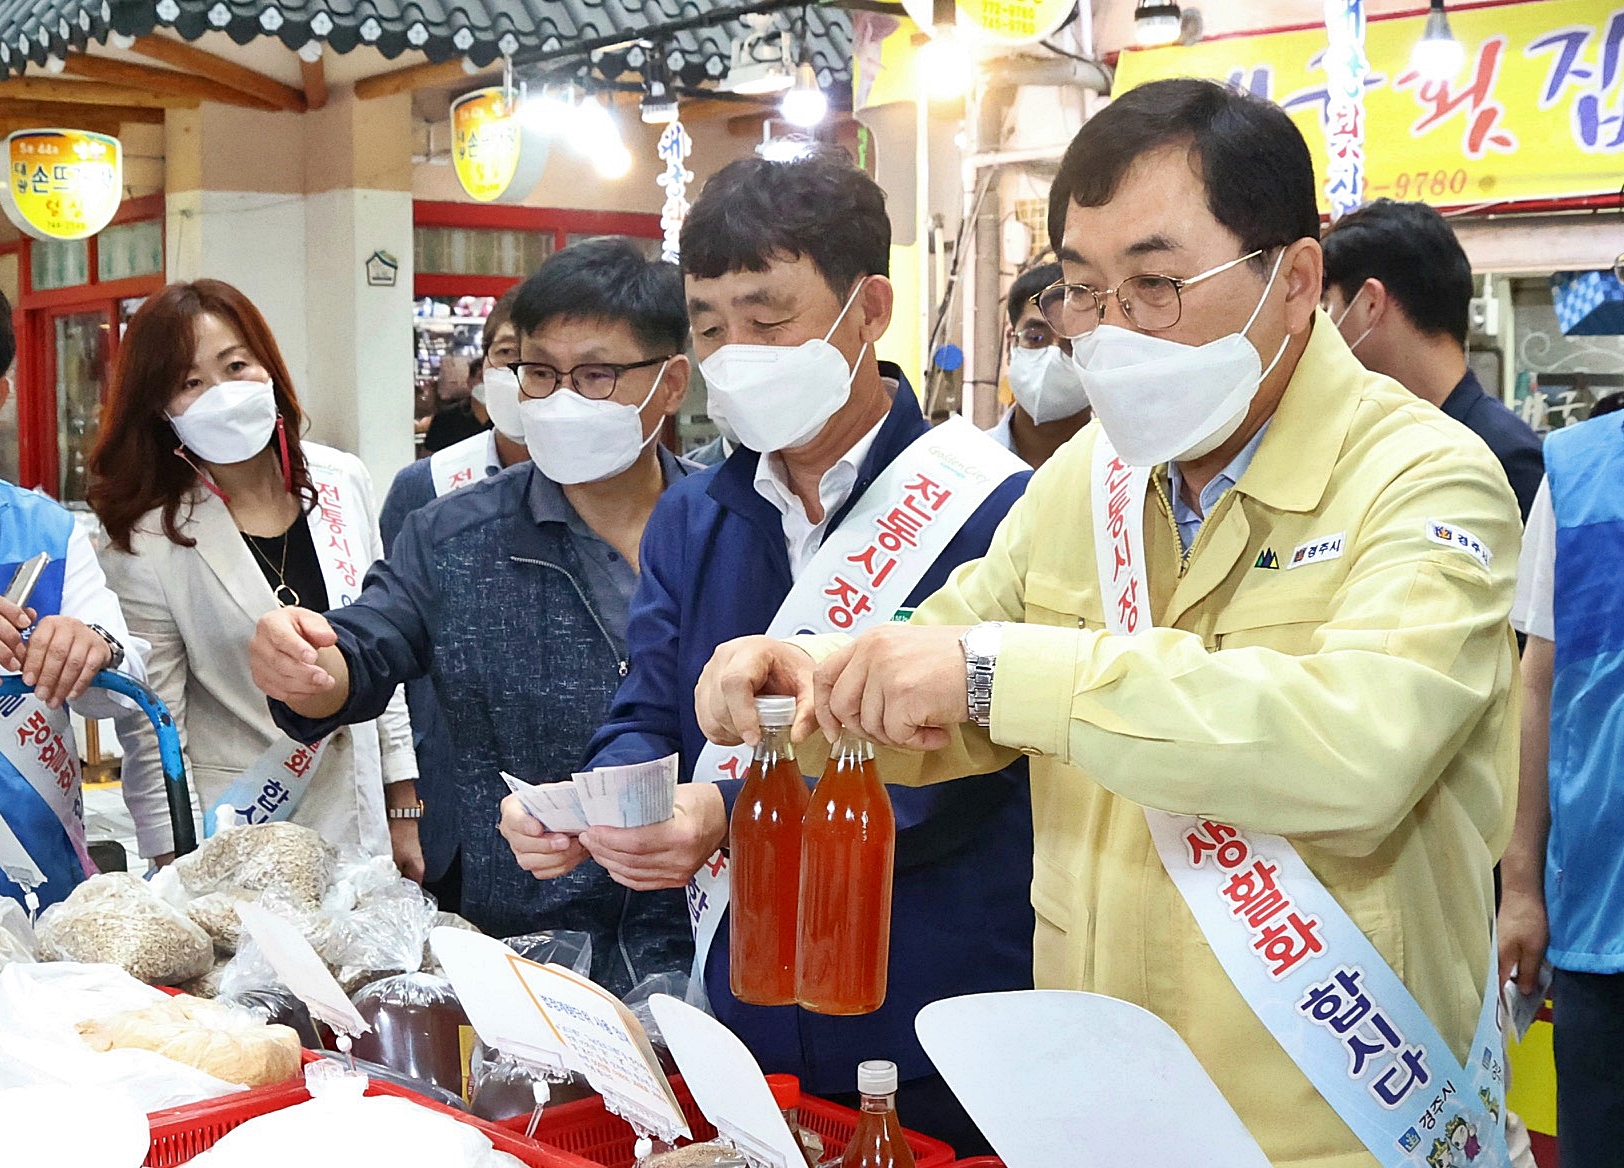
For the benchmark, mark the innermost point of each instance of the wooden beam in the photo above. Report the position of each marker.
(91, 93)
(193, 60)
(103, 119)
(416, 77)
(161, 80)
(314, 76)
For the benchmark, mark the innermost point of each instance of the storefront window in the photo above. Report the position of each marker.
(59, 263)
(476, 251)
(81, 347)
(130, 249)
(1559, 378)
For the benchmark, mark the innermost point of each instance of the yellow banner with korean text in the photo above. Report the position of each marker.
(1536, 112)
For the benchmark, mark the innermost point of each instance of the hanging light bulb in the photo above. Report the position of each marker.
(1156, 22)
(1437, 56)
(612, 160)
(549, 112)
(806, 104)
(592, 127)
(944, 64)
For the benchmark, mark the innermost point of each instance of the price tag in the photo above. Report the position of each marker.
(301, 970)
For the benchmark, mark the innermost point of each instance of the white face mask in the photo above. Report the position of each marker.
(1352, 345)
(1163, 401)
(573, 439)
(229, 422)
(500, 393)
(777, 397)
(1046, 384)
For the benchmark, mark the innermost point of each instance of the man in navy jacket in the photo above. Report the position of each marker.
(780, 258)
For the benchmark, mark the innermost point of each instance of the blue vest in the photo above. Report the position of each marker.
(1584, 864)
(30, 524)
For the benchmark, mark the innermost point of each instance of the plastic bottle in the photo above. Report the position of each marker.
(878, 1140)
(786, 1091)
(765, 862)
(848, 850)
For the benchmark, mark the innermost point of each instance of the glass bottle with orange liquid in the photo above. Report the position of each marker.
(878, 1141)
(764, 856)
(848, 850)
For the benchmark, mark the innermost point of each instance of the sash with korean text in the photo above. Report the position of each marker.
(1304, 967)
(463, 463)
(863, 573)
(41, 797)
(274, 783)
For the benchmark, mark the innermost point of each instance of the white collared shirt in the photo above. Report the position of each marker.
(802, 537)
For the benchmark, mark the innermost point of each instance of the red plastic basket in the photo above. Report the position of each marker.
(587, 1130)
(184, 1132)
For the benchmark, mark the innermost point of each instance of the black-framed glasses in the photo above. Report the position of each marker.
(1150, 301)
(592, 379)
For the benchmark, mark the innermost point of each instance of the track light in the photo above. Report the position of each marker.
(1156, 22)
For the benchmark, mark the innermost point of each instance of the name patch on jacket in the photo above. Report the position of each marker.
(1460, 539)
(1315, 551)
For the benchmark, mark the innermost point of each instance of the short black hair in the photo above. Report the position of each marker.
(608, 277)
(1027, 285)
(1413, 251)
(1250, 155)
(8, 336)
(753, 212)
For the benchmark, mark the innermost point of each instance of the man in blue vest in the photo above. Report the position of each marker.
(785, 267)
(1563, 873)
(70, 630)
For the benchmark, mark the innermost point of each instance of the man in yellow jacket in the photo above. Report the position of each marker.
(1329, 565)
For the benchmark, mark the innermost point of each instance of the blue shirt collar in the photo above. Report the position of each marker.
(1189, 523)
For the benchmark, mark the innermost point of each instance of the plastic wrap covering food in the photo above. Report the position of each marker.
(637, 1001)
(712, 1154)
(501, 1087)
(278, 1007)
(207, 986)
(216, 914)
(116, 918)
(338, 1128)
(229, 1044)
(259, 857)
(17, 941)
(563, 947)
(417, 1028)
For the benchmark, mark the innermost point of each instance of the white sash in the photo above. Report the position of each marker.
(38, 742)
(462, 463)
(1304, 967)
(863, 573)
(273, 785)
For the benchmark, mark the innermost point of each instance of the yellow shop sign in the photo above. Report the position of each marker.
(496, 160)
(1536, 112)
(63, 184)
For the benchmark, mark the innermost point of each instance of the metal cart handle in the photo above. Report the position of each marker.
(174, 766)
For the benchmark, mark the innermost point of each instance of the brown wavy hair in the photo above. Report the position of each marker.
(136, 467)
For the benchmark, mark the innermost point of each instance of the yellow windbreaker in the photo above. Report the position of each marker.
(1362, 706)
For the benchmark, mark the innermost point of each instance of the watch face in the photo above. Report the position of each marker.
(981, 641)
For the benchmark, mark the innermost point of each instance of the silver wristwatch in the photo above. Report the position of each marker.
(980, 645)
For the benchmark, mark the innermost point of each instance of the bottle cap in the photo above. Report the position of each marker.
(786, 1091)
(877, 1077)
(775, 711)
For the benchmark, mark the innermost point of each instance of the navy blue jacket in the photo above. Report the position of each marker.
(436, 766)
(489, 602)
(1510, 438)
(715, 567)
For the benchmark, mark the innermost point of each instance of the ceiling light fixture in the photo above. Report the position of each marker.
(944, 65)
(1156, 22)
(1437, 56)
(753, 74)
(659, 104)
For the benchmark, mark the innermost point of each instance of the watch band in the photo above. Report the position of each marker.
(980, 662)
(113, 645)
(413, 812)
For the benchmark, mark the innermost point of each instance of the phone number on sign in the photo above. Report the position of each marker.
(1422, 184)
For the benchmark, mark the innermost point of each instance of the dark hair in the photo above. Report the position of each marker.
(607, 278)
(1027, 285)
(1250, 155)
(134, 467)
(501, 313)
(753, 212)
(1413, 251)
(8, 336)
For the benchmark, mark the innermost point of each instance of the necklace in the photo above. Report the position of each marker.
(291, 600)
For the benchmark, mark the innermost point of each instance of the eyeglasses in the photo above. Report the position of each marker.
(1151, 302)
(1034, 336)
(594, 379)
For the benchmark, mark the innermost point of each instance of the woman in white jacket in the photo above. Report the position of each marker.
(216, 512)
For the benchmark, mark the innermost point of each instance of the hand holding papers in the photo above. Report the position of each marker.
(620, 796)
